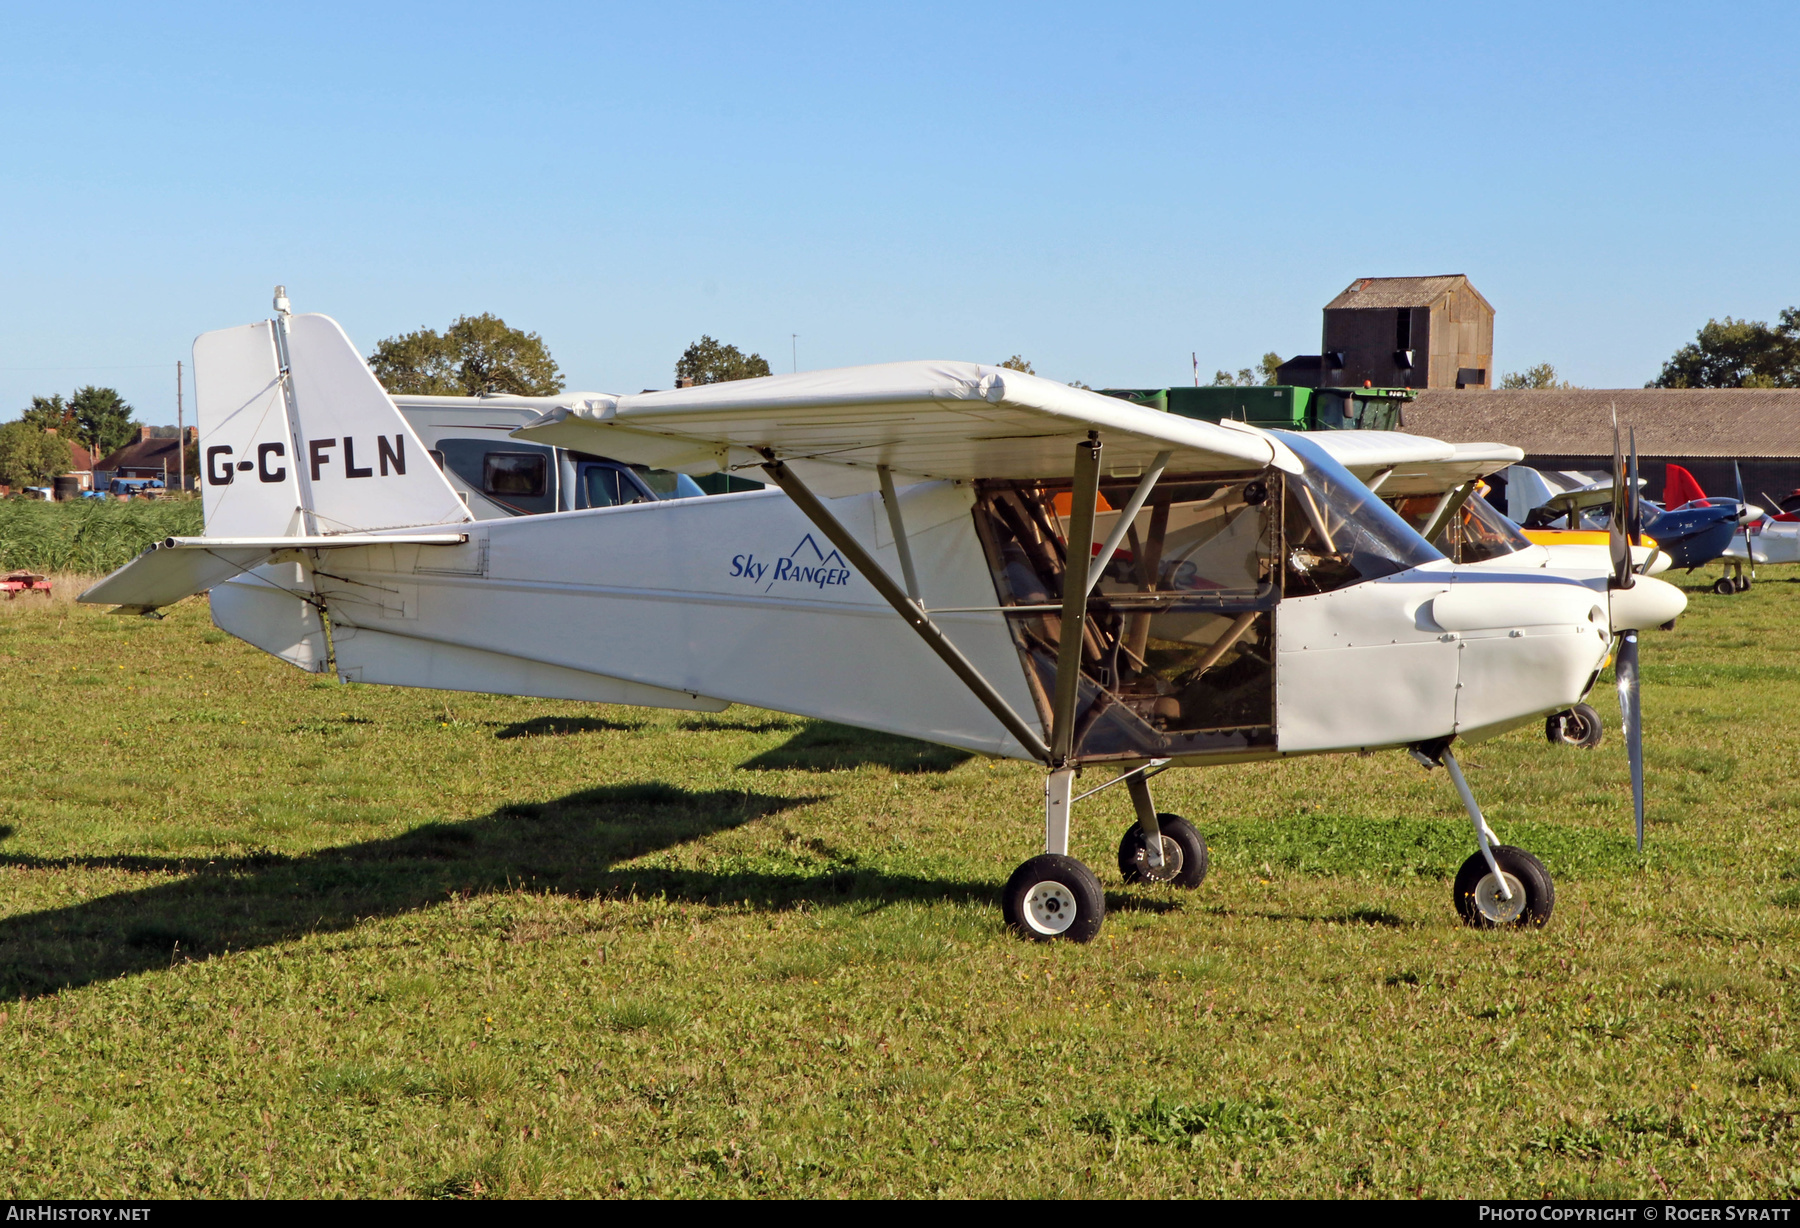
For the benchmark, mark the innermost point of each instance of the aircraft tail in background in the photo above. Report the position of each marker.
(1679, 487)
(297, 439)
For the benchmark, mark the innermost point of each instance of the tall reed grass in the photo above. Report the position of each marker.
(91, 535)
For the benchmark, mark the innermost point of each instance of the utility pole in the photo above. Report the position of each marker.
(1195, 356)
(180, 434)
(796, 344)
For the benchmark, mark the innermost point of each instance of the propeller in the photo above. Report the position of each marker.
(1622, 518)
(1624, 531)
(1635, 520)
(1744, 514)
(1631, 713)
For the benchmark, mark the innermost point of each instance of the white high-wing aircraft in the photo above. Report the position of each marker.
(952, 552)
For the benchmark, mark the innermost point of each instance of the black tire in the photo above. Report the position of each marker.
(1534, 895)
(1578, 726)
(1052, 898)
(1724, 587)
(1742, 584)
(1184, 854)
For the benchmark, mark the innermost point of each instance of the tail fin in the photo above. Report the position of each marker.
(307, 446)
(1679, 487)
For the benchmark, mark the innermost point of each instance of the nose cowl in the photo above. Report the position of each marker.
(1649, 602)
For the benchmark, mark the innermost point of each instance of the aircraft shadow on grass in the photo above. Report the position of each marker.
(573, 846)
(562, 726)
(821, 746)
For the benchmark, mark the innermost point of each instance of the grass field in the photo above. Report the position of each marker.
(262, 934)
(90, 535)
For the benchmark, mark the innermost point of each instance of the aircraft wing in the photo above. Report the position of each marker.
(178, 567)
(923, 420)
(1414, 464)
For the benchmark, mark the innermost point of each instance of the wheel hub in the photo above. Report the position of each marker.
(1050, 908)
(1173, 861)
(1495, 909)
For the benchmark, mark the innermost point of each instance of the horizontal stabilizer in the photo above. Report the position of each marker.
(179, 567)
(336, 541)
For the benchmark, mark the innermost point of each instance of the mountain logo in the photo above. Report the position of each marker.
(805, 564)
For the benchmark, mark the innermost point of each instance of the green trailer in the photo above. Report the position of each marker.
(1280, 406)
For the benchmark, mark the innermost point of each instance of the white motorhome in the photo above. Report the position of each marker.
(500, 477)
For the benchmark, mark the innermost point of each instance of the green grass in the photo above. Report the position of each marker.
(262, 934)
(88, 535)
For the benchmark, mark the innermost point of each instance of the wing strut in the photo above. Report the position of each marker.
(1075, 597)
(1447, 508)
(1127, 518)
(908, 609)
(898, 526)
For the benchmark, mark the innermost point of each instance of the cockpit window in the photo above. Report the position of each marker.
(1338, 532)
(1477, 533)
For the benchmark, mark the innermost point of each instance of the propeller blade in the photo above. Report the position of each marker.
(1631, 712)
(1635, 519)
(1618, 545)
(1744, 515)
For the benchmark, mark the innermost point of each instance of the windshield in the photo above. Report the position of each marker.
(1338, 532)
(1477, 533)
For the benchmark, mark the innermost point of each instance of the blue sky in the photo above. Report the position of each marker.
(1103, 189)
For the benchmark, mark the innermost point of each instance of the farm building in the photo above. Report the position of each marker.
(1401, 332)
(1704, 430)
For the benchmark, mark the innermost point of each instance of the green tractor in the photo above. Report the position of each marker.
(1280, 406)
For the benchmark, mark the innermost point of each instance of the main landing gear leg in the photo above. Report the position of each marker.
(1500, 885)
(1054, 896)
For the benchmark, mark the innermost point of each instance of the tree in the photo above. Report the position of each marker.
(102, 420)
(29, 456)
(475, 355)
(51, 413)
(1541, 376)
(1732, 353)
(713, 362)
(1261, 375)
(1016, 363)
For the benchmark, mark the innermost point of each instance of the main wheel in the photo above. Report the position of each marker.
(1183, 849)
(1477, 891)
(1577, 726)
(1052, 897)
(1724, 586)
(1742, 584)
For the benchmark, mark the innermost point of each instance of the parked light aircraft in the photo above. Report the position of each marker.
(911, 572)
(1688, 534)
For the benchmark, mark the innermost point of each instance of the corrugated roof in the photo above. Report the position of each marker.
(1722, 422)
(1396, 291)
